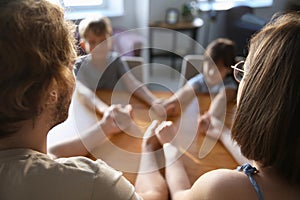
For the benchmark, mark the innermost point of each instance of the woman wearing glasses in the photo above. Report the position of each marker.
(266, 125)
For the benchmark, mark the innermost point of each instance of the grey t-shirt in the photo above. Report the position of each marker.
(94, 78)
(28, 174)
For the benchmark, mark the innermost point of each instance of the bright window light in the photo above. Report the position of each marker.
(79, 9)
(206, 5)
(55, 1)
(68, 3)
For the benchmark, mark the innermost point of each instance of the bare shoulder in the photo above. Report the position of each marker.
(221, 184)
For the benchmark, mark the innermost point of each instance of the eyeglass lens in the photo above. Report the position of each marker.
(238, 75)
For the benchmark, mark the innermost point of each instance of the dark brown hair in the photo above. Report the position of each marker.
(37, 48)
(222, 49)
(266, 125)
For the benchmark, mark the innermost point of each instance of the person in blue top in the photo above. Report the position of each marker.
(266, 124)
(217, 80)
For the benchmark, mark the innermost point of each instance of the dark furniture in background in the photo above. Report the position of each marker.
(190, 28)
(241, 24)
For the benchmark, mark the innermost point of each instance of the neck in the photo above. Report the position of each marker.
(30, 136)
(265, 171)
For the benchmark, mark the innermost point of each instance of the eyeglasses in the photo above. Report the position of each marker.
(238, 71)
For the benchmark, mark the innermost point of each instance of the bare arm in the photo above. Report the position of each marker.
(183, 96)
(150, 184)
(88, 98)
(218, 105)
(139, 89)
(115, 119)
(233, 147)
(211, 185)
(213, 127)
(76, 146)
(212, 122)
(176, 175)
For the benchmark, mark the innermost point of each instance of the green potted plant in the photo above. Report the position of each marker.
(190, 11)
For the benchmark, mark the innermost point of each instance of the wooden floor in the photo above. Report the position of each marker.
(122, 151)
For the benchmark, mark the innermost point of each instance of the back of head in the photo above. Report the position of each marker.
(37, 48)
(266, 124)
(99, 25)
(222, 49)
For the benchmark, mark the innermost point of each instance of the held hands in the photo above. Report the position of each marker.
(166, 132)
(158, 134)
(150, 141)
(116, 118)
(165, 107)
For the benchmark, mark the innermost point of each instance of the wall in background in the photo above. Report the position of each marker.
(129, 19)
(138, 13)
(266, 13)
(157, 8)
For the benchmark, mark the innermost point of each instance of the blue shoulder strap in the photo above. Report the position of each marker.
(250, 171)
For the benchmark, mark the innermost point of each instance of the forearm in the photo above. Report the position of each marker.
(183, 95)
(150, 184)
(143, 93)
(89, 98)
(219, 103)
(138, 89)
(72, 147)
(218, 107)
(81, 145)
(175, 173)
(233, 147)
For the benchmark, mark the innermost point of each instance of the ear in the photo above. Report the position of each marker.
(82, 44)
(53, 97)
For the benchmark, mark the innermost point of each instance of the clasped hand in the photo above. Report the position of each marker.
(165, 108)
(116, 118)
(164, 132)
